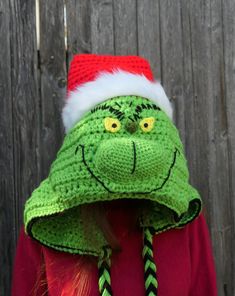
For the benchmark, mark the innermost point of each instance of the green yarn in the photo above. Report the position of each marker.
(104, 265)
(124, 148)
(150, 269)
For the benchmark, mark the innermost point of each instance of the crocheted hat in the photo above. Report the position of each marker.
(121, 143)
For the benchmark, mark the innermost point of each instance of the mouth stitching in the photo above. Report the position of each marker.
(169, 171)
(134, 151)
(147, 192)
(90, 171)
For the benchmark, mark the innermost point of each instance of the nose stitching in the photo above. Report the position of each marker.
(131, 126)
(134, 155)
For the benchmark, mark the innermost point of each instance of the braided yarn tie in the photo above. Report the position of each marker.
(150, 269)
(104, 274)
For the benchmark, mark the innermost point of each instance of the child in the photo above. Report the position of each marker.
(116, 215)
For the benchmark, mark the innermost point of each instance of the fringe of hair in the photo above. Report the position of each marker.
(80, 284)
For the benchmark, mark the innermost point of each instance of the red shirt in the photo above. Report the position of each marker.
(183, 258)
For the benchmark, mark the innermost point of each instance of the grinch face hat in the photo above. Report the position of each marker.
(121, 143)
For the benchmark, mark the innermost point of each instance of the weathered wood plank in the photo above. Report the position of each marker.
(18, 124)
(24, 101)
(218, 157)
(197, 81)
(149, 39)
(7, 218)
(125, 27)
(102, 37)
(206, 130)
(228, 30)
(78, 15)
(172, 58)
(53, 79)
(187, 103)
(93, 21)
(197, 73)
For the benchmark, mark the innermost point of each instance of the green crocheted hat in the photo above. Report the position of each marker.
(121, 144)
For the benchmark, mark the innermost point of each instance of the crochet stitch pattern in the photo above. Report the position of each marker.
(150, 269)
(126, 147)
(104, 264)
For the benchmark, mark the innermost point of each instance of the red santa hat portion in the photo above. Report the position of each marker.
(92, 79)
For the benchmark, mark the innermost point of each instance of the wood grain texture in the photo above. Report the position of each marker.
(191, 47)
(228, 13)
(102, 37)
(19, 145)
(172, 58)
(52, 80)
(206, 128)
(90, 27)
(24, 88)
(78, 14)
(125, 27)
(7, 217)
(218, 162)
(149, 34)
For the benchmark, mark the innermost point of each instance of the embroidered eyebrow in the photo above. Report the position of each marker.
(116, 112)
(142, 107)
(133, 120)
(136, 116)
(118, 104)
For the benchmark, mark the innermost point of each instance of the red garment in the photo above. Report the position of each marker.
(183, 258)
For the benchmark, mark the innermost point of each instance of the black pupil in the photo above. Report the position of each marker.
(146, 125)
(114, 125)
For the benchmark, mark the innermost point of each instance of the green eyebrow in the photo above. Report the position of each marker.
(118, 113)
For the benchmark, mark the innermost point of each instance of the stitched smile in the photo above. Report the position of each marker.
(134, 163)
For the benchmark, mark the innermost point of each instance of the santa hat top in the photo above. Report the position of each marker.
(93, 79)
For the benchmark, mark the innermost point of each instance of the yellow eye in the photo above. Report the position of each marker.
(112, 125)
(147, 124)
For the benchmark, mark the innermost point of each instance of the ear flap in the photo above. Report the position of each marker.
(71, 230)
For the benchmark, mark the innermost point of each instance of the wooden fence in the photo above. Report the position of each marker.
(191, 46)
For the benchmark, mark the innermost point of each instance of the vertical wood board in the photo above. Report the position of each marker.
(52, 80)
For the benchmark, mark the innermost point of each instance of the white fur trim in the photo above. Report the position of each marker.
(109, 85)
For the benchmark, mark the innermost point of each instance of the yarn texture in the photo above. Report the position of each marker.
(126, 147)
